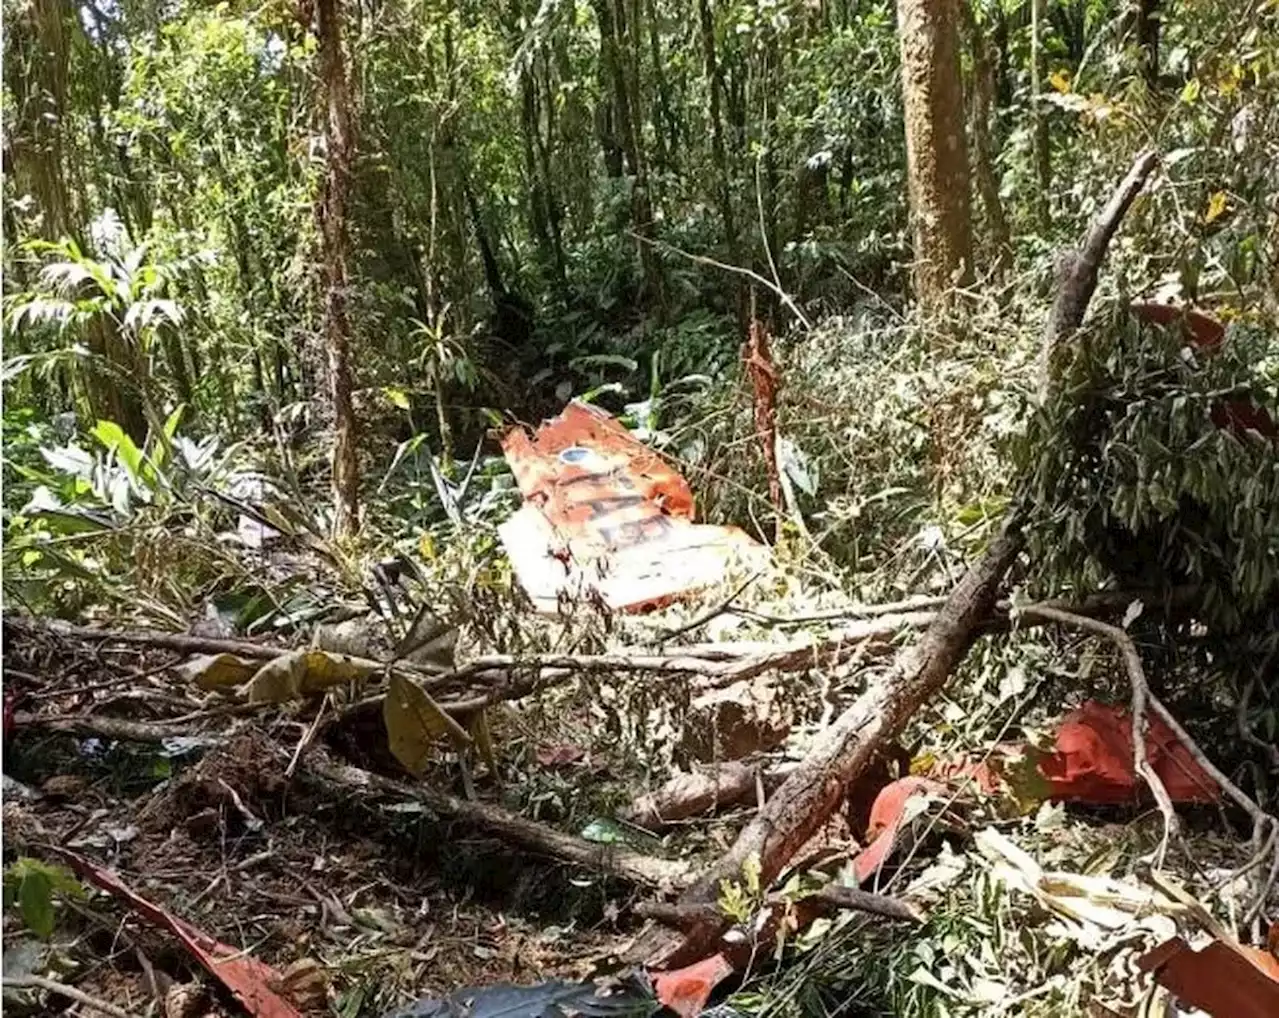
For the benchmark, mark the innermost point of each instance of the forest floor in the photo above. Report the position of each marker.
(364, 901)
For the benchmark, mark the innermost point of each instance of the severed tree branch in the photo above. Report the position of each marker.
(63, 990)
(1079, 268)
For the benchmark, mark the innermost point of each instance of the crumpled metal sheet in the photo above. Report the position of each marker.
(1224, 980)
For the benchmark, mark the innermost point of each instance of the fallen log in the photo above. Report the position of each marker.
(811, 794)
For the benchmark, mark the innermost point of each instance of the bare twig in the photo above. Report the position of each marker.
(307, 736)
(781, 294)
(70, 992)
(1141, 698)
(715, 611)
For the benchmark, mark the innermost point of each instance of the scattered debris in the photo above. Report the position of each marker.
(253, 983)
(605, 516)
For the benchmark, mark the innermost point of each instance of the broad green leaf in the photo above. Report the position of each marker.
(218, 671)
(35, 900)
(415, 723)
(113, 437)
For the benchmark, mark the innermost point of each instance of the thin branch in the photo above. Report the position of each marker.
(1141, 697)
(635, 867)
(781, 294)
(70, 992)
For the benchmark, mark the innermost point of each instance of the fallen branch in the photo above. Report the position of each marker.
(842, 752)
(828, 898)
(1078, 269)
(118, 729)
(635, 867)
(700, 791)
(1138, 706)
(63, 990)
(811, 794)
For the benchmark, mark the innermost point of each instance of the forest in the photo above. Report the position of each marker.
(633, 507)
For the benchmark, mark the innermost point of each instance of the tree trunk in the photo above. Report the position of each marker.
(615, 58)
(1039, 128)
(937, 160)
(340, 154)
(715, 85)
(1146, 15)
(981, 115)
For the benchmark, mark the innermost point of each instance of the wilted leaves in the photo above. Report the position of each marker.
(218, 671)
(415, 722)
(288, 677)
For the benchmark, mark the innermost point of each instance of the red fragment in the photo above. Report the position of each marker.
(1206, 334)
(250, 980)
(687, 990)
(1225, 980)
(1093, 760)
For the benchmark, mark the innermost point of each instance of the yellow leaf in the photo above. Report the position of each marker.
(398, 397)
(218, 671)
(478, 728)
(1217, 206)
(1191, 91)
(304, 671)
(415, 722)
(923, 764)
(427, 546)
(1061, 81)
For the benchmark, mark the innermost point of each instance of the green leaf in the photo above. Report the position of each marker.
(35, 900)
(113, 437)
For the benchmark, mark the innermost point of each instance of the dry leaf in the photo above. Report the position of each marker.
(1217, 206)
(218, 671)
(305, 671)
(415, 722)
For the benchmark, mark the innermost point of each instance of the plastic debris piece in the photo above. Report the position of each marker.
(687, 990)
(606, 517)
(252, 982)
(1225, 980)
(553, 999)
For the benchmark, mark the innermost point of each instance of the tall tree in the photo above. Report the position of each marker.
(982, 94)
(1039, 126)
(340, 144)
(937, 159)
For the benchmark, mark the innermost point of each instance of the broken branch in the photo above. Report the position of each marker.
(635, 867)
(1141, 697)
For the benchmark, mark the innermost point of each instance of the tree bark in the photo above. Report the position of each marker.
(1039, 127)
(937, 159)
(981, 114)
(340, 155)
